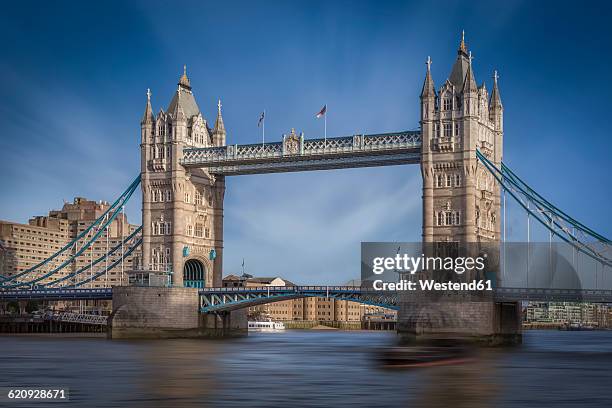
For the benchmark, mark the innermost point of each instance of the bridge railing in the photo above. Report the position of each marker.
(356, 144)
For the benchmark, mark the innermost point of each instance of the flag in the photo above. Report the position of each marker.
(243, 262)
(322, 111)
(261, 118)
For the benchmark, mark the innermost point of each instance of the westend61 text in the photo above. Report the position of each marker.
(475, 285)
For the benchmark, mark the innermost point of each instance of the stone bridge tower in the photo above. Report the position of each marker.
(461, 206)
(461, 201)
(182, 210)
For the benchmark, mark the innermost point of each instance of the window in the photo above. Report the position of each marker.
(449, 218)
(160, 198)
(440, 219)
(457, 180)
(448, 130)
(162, 228)
(190, 230)
(448, 180)
(440, 181)
(187, 198)
(198, 198)
(456, 128)
(207, 232)
(169, 228)
(153, 195)
(198, 230)
(168, 195)
(448, 103)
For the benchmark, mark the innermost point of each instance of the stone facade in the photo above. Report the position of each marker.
(182, 210)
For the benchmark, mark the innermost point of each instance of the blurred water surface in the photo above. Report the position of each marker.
(308, 369)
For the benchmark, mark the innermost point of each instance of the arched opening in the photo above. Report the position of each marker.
(193, 274)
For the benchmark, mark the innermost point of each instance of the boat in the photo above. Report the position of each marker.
(425, 356)
(266, 326)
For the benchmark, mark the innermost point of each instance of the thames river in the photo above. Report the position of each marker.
(308, 369)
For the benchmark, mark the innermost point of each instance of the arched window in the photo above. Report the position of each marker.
(440, 182)
(448, 180)
(168, 195)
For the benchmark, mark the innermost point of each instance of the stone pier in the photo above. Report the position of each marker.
(160, 312)
(484, 323)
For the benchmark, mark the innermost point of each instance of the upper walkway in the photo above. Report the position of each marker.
(295, 153)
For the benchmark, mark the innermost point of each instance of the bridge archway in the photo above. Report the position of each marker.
(194, 274)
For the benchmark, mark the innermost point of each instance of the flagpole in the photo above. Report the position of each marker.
(263, 129)
(325, 120)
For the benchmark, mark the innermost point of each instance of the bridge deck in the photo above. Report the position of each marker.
(298, 154)
(234, 298)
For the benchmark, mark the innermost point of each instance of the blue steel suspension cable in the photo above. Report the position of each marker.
(115, 263)
(97, 261)
(78, 237)
(558, 211)
(79, 252)
(588, 251)
(539, 201)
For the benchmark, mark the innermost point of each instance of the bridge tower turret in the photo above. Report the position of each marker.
(182, 209)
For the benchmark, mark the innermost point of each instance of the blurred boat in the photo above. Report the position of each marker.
(424, 356)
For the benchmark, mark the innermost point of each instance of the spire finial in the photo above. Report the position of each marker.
(428, 63)
(470, 56)
(149, 94)
(219, 105)
(495, 76)
(184, 80)
(462, 46)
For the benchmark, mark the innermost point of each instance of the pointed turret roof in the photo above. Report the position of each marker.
(469, 85)
(219, 126)
(183, 98)
(148, 113)
(428, 85)
(460, 67)
(184, 80)
(495, 97)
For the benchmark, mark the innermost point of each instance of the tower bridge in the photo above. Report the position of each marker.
(184, 162)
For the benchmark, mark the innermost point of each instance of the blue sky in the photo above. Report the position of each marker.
(73, 79)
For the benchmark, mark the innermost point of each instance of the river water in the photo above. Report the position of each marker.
(307, 369)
